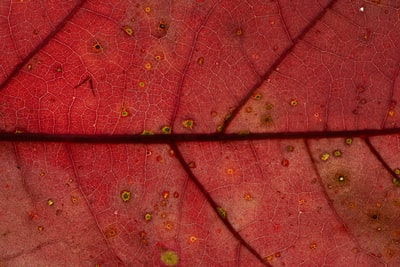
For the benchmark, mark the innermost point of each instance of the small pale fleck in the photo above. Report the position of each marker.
(361, 9)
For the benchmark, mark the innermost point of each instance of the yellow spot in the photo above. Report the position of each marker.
(18, 131)
(147, 66)
(124, 112)
(169, 258)
(192, 239)
(229, 171)
(396, 181)
(163, 215)
(192, 164)
(257, 96)
(166, 130)
(171, 152)
(200, 60)
(165, 194)
(247, 197)
(40, 228)
(125, 196)
(50, 202)
(293, 102)
(220, 128)
(147, 216)
(221, 212)
(391, 113)
(188, 124)
(324, 156)
(349, 141)
(141, 84)
(313, 245)
(146, 132)
(42, 174)
(397, 171)
(302, 201)
(337, 153)
(74, 200)
(269, 258)
(128, 30)
(147, 9)
(157, 57)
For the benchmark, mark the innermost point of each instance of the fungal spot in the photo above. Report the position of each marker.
(165, 194)
(176, 194)
(200, 60)
(125, 196)
(166, 130)
(162, 29)
(269, 106)
(124, 112)
(290, 148)
(249, 109)
(220, 128)
(247, 197)
(158, 57)
(239, 32)
(50, 202)
(147, 66)
(313, 245)
(396, 181)
(40, 228)
(397, 171)
(374, 216)
(97, 47)
(293, 102)
(221, 212)
(349, 141)
(257, 96)
(146, 132)
(169, 258)
(188, 124)
(110, 232)
(128, 30)
(269, 258)
(324, 156)
(147, 216)
(147, 9)
(74, 200)
(141, 84)
(285, 162)
(337, 153)
(192, 165)
(267, 120)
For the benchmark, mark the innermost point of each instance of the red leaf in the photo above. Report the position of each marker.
(199, 133)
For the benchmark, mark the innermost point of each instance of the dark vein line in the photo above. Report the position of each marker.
(379, 157)
(269, 71)
(42, 44)
(214, 205)
(168, 138)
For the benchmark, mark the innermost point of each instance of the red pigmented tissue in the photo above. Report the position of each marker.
(172, 133)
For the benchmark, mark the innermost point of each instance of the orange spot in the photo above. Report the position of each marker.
(229, 171)
(97, 47)
(200, 60)
(239, 32)
(249, 109)
(74, 200)
(168, 225)
(165, 194)
(313, 245)
(302, 201)
(247, 197)
(192, 239)
(110, 232)
(147, 66)
(40, 228)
